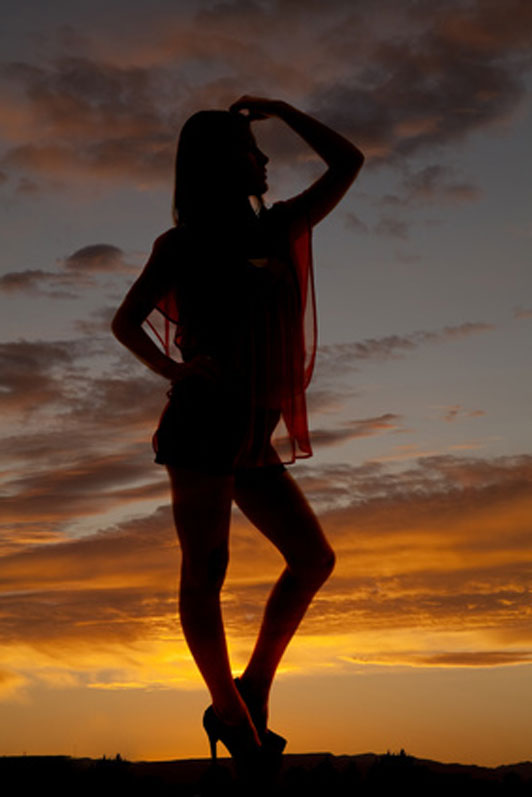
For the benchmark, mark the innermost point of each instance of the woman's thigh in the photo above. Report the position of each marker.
(276, 505)
(201, 505)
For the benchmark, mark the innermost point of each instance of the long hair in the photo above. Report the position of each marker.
(208, 164)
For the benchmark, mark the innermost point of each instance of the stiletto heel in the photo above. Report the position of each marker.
(211, 730)
(213, 748)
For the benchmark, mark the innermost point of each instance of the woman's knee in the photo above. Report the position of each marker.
(325, 562)
(316, 566)
(205, 571)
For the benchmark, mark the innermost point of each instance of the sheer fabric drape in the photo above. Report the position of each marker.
(256, 316)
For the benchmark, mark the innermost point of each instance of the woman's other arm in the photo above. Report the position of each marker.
(138, 303)
(343, 158)
(154, 282)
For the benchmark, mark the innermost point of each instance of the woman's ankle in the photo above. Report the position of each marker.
(257, 689)
(231, 710)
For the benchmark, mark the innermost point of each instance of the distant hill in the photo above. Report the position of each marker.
(311, 775)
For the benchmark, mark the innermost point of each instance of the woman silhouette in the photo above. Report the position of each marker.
(237, 282)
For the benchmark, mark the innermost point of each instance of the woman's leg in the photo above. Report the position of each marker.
(274, 503)
(202, 512)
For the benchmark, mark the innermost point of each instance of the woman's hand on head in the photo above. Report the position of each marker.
(257, 107)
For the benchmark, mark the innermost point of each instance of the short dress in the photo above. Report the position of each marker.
(256, 318)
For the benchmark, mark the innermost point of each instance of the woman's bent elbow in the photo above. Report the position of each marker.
(357, 161)
(116, 327)
(120, 325)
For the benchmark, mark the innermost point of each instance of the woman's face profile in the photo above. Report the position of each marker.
(254, 162)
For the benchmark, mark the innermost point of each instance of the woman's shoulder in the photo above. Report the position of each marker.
(277, 210)
(166, 254)
(289, 216)
(170, 239)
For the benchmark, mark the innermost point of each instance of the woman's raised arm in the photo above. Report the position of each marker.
(341, 156)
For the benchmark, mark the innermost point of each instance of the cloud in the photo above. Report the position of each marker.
(87, 412)
(99, 119)
(74, 434)
(432, 182)
(393, 346)
(324, 400)
(398, 80)
(99, 322)
(452, 412)
(36, 282)
(353, 222)
(442, 477)
(392, 228)
(10, 683)
(130, 555)
(365, 427)
(444, 73)
(27, 281)
(444, 545)
(96, 258)
(436, 558)
(488, 658)
(70, 491)
(80, 270)
(27, 187)
(437, 548)
(84, 411)
(522, 312)
(27, 379)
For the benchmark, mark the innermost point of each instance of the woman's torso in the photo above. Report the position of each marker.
(239, 303)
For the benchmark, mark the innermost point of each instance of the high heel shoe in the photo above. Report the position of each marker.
(251, 767)
(272, 742)
(236, 738)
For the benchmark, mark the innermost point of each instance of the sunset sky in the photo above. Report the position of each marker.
(420, 403)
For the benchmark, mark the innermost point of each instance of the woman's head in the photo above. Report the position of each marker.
(218, 164)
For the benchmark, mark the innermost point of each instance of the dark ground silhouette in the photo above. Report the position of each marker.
(309, 775)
